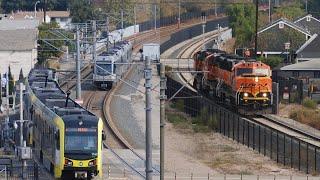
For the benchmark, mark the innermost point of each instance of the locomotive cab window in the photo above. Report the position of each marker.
(241, 71)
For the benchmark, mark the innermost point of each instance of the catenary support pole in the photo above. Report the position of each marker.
(179, 16)
(121, 20)
(155, 17)
(148, 76)
(21, 113)
(107, 31)
(78, 92)
(163, 98)
(94, 46)
(256, 30)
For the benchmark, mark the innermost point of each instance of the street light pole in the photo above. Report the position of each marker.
(35, 9)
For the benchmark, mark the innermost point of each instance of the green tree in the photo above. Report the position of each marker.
(272, 61)
(81, 11)
(113, 7)
(290, 12)
(242, 21)
(45, 50)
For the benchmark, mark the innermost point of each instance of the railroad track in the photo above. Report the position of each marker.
(99, 106)
(299, 134)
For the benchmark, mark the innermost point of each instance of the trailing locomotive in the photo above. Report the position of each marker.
(111, 64)
(230, 78)
(67, 139)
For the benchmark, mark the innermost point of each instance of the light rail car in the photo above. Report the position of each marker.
(67, 139)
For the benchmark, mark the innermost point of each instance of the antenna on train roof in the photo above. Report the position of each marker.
(46, 82)
(68, 94)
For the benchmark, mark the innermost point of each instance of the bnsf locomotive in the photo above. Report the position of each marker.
(230, 78)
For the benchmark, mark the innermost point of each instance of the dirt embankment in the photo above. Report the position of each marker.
(202, 153)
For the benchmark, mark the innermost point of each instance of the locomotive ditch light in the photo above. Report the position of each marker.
(264, 94)
(245, 94)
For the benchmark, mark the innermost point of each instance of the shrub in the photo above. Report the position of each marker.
(179, 105)
(309, 103)
(272, 61)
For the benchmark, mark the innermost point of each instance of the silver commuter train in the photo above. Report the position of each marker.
(112, 64)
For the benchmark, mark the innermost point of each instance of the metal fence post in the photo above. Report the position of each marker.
(208, 176)
(271, 144)
(259, 140)
(254, 137)
(291, 153)
(299, 161)
(284, 149)
(175, 175)
(307, 158)
(277, 147)
(265, 142)
(315, 159)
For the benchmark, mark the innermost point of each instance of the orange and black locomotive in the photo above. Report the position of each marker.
(230, 78)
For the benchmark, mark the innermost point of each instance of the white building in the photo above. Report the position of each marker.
(61, 17)
(18, 49)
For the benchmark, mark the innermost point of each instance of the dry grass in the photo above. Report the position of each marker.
(306, 116)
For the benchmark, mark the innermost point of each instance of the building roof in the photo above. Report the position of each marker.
(285, 22)
(313, 65)
(30, 15)
(7, 24)
(272, 38)
(18, 40)
(311, 49)
(309, 23)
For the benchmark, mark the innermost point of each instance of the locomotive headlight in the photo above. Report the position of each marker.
(245, 94)
(256, 79)
(264, 94)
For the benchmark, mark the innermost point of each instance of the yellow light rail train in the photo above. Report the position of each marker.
(66, 138)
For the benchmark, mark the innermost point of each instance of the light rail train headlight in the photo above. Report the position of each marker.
(245, 94)
(264, 94)
(68, 162)
(92, 162)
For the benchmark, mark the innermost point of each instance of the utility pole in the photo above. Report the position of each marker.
(45, 11)
(94, 53)
(78, 92)
(163, 97)
(121, 20)
(256, 38)
(269, 11)
(148, 84)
